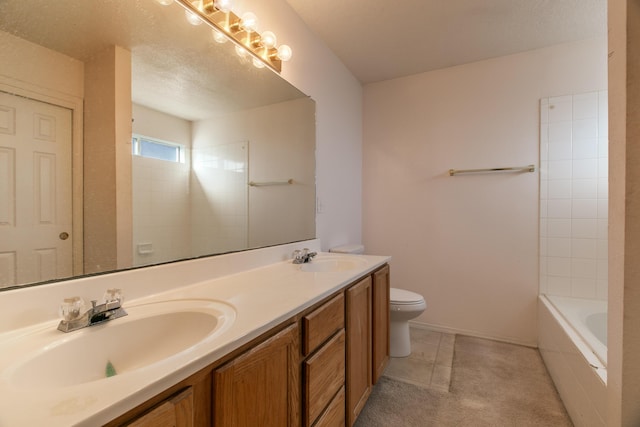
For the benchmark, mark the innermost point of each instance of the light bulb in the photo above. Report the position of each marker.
(165, 2)
(257, 63)
(249, 21)
(223, 5)
(284, 52)
(218, 36)
(193, 18)
(268, 39)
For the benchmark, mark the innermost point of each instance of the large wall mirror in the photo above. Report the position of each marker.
(129, 137)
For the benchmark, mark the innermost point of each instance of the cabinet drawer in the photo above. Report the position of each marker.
(334, 415)
(324, 375)
(323, 322)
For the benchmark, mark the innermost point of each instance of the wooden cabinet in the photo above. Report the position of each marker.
(262, 386)
(358, 325)
(380, 333)
(177, 411)
(185, 404)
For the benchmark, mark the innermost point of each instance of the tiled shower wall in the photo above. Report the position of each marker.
(219, 197)
(573, 195)
(160, 211)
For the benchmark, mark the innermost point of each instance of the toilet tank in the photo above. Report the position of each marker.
(348, 249)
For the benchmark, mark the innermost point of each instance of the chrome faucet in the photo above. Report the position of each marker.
(110, 309)
(303, 256)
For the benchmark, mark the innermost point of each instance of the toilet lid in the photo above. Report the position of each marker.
(402, 296)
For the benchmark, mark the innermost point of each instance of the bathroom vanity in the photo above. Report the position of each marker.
(295, 345)
(301, 372)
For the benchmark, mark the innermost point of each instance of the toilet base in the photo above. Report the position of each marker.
(399, 339)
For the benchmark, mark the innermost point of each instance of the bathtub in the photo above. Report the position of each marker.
(572, 341)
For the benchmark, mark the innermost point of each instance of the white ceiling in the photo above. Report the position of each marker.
(384, 39)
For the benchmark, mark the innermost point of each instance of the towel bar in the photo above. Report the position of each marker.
(528, 168)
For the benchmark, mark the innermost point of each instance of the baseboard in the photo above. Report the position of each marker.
(456, 331)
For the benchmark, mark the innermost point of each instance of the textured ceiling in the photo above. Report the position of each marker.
(380, 40)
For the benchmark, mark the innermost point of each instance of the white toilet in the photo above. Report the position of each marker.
(404, 306)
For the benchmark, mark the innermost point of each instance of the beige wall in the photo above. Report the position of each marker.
(623, 379)
(41, 68)
(156, 124)
(284, 149)
(469, 244)
(107, 161)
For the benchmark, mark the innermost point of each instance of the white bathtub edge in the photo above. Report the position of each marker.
(580, 384)
(590, 357)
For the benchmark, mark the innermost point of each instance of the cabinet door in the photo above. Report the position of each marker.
(177, 411)
(262, 386)
(358, 325)
(184, 404)
(381, 290)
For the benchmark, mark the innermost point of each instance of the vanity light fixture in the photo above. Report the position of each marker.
(261, 48)
(268, 40)
(223, 6)
(284, 53)
(249, 22)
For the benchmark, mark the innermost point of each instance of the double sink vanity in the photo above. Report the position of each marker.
(240, 339)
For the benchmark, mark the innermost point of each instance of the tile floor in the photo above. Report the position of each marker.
(429, 364)
(492, 384)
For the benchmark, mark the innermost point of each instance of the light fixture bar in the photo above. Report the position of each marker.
(230, 25)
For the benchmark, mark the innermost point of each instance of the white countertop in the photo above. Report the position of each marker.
(262, 298)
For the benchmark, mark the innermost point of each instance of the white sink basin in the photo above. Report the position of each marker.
(332, 264)
(150, 333)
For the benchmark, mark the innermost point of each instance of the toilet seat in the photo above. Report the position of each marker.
(404, 297)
